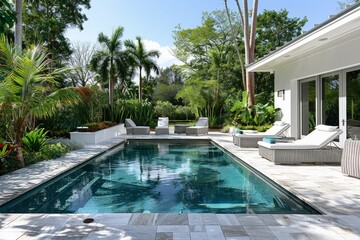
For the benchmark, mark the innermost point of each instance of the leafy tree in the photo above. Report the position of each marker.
(79, 61)
(110, 60)
(24, 94)
(47, 21)
(274, 29)
(142, 59)
(168, 84)
(343, 4)
(7, 16)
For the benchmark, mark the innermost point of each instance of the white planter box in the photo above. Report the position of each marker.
(98, 136)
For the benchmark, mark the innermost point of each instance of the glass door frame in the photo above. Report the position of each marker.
(317, 102)
(343, 104)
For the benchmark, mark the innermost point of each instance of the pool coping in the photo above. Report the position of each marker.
(338, 199)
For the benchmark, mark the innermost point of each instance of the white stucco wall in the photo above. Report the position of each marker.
(330, 59)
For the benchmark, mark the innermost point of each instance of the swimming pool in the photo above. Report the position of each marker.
(160, 177)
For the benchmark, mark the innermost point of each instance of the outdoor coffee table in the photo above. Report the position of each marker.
(180, 128)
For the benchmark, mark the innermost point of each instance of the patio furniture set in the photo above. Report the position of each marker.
(201, 127)
(313, 148)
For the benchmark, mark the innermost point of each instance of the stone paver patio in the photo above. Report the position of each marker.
(323, 187)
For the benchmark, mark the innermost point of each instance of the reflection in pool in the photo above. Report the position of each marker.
(159, 177)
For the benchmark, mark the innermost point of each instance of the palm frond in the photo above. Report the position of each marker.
(64, 97)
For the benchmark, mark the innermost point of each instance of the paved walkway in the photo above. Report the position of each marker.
(324, 187)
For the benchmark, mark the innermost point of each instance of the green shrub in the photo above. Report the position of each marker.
(71, 145)
(165, 109)
(33, 141)
(184, 113)
(47, 152)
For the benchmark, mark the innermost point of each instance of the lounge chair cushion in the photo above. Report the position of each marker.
(326, 128)
(315, 140)
(279, 123)
(270, 140)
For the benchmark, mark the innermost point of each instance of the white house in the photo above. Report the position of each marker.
(317, 76)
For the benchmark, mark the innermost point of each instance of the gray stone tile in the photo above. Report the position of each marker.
(209, 219)
(140, 232)
(259, 232)
(214, 232)
(181, 236)
(199, 236)
(106, 233)
(237, 238)
(173, 228)
(300, 236)
(247, 220)
(172, 219)
(227, 219)
(195, 219)
(197, 228)
(143, 219)
(234, 231)
(164, 236)
(112, 220)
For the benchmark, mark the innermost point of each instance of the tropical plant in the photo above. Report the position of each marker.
(4, 150)
(27, 90)
(165, 109)
(142, 59)
(7, 16)
(257, 115)
(48, 151)
(70, 144)
(34, 140)
(110, 60)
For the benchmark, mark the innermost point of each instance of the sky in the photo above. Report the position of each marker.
(155, 20)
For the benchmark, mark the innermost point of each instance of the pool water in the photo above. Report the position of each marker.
(159, 177)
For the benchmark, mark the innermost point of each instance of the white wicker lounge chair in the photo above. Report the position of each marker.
(163, 126)
(132, 129)
(249, 139)
(201, 127)
(313, 148)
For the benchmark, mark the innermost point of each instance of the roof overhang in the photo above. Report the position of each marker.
(335, 31)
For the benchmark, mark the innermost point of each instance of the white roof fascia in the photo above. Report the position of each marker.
(314, 35)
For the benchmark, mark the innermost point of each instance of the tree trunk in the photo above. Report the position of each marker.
(140, 85)
(18, 139)
(18, 25)
(249, 41)
(111, 84)
(233, 38)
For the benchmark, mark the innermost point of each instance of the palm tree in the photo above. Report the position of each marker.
(26, 91)
(18, 24)
(110, 60)
(142, 59)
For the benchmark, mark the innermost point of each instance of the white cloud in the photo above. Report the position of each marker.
(166, 58)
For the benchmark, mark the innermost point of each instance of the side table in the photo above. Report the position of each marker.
(180, 128)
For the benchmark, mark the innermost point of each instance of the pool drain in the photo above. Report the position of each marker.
(88, 220)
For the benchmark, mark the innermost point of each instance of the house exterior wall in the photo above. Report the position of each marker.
(331, 59)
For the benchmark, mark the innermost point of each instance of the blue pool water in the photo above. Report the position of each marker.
(159, 177)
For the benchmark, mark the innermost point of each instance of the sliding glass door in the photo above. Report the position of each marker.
(308, 106)
(330, 89)
(352, 121)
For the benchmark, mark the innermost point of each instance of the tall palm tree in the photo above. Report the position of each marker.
(26, 91)
(18, 24)
(110, 60)
(142, 58)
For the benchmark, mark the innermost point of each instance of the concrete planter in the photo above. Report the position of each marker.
(98, 136)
